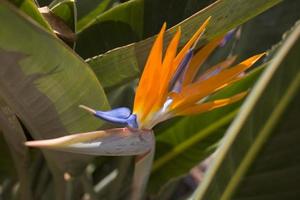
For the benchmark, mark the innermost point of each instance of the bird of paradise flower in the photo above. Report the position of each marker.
(169, 86)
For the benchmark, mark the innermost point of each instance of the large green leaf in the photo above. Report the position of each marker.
(259, 156)
(122, 64)
(172, 12)
(15, 138)
(269, 28)
(121, 21)
(152, 14)
(116, 27)
(43, 82)
(183, 143)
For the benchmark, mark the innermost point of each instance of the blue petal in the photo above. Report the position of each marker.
(131, 121)
(210, 74)
(121, 116)
(109, 118)
(121, 112)
(227, 37)
(177, 80)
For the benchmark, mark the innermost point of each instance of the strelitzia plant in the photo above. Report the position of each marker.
(169, 86)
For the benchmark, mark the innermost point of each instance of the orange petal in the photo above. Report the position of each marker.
(188, 45)
(199, 58)
(166, 70)
(200, 89)
(196, 109)
(146, 99)
(148, 82)
(220, 66)
(170, 65)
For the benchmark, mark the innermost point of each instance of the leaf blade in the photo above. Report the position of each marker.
(266, 115)
(130, 59)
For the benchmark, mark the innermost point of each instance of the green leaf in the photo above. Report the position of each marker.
(30, 8)
(116, 27)
(258, 158)
(89, 11)
(269, 28)
(185, 142)
(43, 82)
(122, 64)
(170, 11)
(122, 21)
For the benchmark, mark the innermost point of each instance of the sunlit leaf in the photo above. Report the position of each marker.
(40, 83)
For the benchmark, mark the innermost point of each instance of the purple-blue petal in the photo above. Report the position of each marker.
(177, 80)
(120, 116)
(121, 112)
(227, 37)
(210, 74)
(131, 121)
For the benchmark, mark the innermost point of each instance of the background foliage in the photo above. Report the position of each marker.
(92, 52)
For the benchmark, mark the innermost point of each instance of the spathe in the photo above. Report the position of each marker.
(111, 142)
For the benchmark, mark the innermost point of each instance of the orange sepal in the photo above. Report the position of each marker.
(198, 59)
(188, 45)
(222, 65)
(204, 107)
(148, 82)
(162, 92)
(200, 89)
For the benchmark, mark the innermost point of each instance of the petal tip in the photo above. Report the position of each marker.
(205, 23)
(208, 19)
(33, 144)
(90, 110)
(257, 57)
(164, 25)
